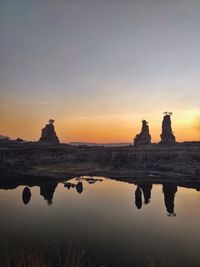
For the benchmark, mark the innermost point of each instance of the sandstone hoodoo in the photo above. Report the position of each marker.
(143, 138)
(48, 134)
(167, 136)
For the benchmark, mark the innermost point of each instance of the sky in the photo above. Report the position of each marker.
(98, 67)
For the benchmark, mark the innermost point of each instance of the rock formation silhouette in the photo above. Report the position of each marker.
(143, 138)
(26, 195)
(169, 190)
(48, 134)
(138, 198)
(47, 191)
(167, 136)
(79, 187)
(146, 189)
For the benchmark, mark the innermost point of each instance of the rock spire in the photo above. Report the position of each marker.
(143, 138)
(167, 136)
(48, 134)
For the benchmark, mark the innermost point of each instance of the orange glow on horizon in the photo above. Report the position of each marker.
(103, 129)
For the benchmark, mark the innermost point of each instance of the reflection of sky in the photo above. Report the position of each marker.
(104, 216)
(98, 60)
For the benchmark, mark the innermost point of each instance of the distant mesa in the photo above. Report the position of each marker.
(167, 136)
(143, 138)
(48, 134)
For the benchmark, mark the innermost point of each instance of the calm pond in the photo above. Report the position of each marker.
(100, 222)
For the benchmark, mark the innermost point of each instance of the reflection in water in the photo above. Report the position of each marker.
(98, 225)
(47, 191)
(138, 198)
(146, 189)
(79, 187)
(69, 185)
(26, 195)
(91, 180)
(143, 189)
(169, 190)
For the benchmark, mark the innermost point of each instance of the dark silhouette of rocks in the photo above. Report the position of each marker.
(48, 134)
(92, 180)
(79, 187)
(146, 189)
(22, 158)
(47, 191)
(69, 185)
(167, 136)
(169, 190)
(26, 195)
(138, 198)
(143, 138)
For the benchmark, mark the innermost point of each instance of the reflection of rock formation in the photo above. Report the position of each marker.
(146, 188)
(169, 190)
(92, 180)
(69, 185)
(138, 198)
(47, 191)
(167, 136)
(26, 195)
(79, 187)
(48, 134)
(143, 138)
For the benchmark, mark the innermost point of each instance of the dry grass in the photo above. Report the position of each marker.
(52, 254)
(171, 262)
(73, 255)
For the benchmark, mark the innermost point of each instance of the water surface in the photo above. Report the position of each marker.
(111, 222)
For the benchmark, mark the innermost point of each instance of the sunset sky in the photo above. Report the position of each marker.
(98, 67)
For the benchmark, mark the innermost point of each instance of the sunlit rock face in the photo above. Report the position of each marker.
(167, 136)
(143, 138)
(48, 134)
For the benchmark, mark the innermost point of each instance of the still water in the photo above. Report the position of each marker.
(100, 222)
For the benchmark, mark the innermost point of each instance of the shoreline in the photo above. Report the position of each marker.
(13, 180)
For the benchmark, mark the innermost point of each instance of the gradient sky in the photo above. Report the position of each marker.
(97, 67)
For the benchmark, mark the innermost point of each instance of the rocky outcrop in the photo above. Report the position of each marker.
(27, 158)
(48, 134)
(143, 138)
(167, 136)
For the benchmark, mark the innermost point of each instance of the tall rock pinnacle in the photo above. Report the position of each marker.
(167, 136)
(143, 138)
(48, 134)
